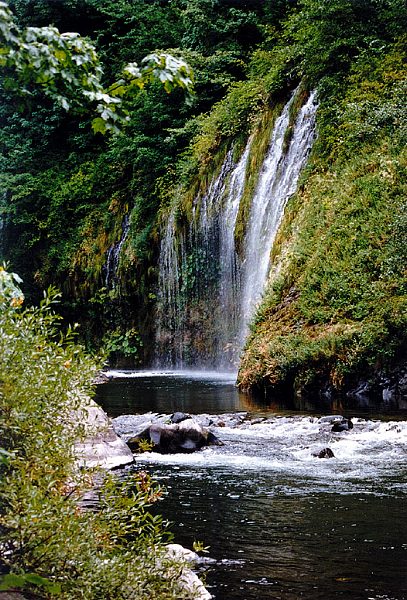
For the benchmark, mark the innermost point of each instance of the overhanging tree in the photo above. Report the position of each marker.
(67, 68)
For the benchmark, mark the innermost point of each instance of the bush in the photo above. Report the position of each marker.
(49, 544)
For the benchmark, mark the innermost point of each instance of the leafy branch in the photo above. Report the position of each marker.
(67, 68)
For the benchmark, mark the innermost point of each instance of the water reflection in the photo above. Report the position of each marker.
(317, 546)
(165, 393)
(213, 392)
(280, 524)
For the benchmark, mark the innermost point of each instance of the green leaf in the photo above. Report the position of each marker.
(99, 125)
(4, 456)
(11, 580)
(50, 586)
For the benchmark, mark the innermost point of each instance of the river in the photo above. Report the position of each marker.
(280, 522)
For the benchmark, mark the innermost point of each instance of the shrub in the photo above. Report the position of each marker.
(49, 544)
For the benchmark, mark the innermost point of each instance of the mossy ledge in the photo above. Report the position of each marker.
(334, 314)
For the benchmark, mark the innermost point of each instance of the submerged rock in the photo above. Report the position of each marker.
(129, 425)
(325, 453)
(338, 422)
(178, 417)
(343, 425)
(330, 419)
(101, 378)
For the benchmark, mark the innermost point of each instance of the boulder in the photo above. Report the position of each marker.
(185, 436)
(331, 419)
(325, 453)
(343, 425)
(178, 417)
(190, 581)
(102, 447)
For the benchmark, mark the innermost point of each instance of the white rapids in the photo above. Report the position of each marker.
(226, 377)
(370, 457)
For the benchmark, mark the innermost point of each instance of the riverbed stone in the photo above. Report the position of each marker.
(178, 417)
(189, 579)
(344, 425)
(330, 419)
(101, 447)
(325, 453)
(186, 436)
(127, 426)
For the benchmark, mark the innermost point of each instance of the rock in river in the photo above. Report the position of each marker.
(325, 453)
(101, 447)
(343, 425)
(184, 436)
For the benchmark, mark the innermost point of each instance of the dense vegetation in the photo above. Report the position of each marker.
(336, 307)
(49, 544)
(334, 315)
(58, 176)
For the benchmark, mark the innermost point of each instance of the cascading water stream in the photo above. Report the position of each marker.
(277, 182)
(113, 256)
(199, 277)
(230, 272)
(170, 325)
(207, 295)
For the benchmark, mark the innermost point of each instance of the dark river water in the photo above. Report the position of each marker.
(280, 523)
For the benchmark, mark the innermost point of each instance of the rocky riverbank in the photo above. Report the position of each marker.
(102, 447)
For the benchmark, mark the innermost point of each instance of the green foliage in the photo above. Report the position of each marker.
(10, 293)
(210, 26)
(199, 547)
(49, 544)
(246, 58)
(336, 305)
(229, 117)
(329, 35)
(12, 581)
(68, 70)
(56, 177)
(144, 445)
(128, 344)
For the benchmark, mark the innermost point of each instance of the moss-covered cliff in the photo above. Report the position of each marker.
(334, 315)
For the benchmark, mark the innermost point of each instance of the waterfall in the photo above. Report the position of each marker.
(277, 182)
(230, 268)
(113, 255)
(207, 293)
(169, 334)
(3, 223)
(200, 277)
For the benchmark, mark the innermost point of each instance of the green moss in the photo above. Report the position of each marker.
(258, 149)
(335, 308)
(298, 101)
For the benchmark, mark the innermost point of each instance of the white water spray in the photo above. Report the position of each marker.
(200, 277)
(207, 296)
(277, 182)
(113, 256)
